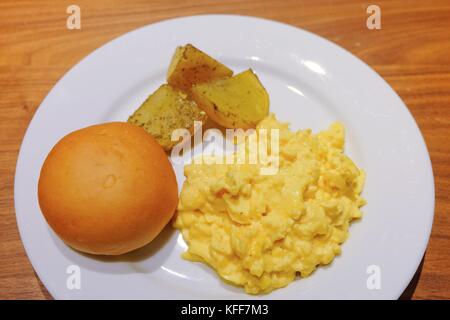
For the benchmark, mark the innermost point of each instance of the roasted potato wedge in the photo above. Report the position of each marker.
(237, 102)
(190, 66)
(164, 111)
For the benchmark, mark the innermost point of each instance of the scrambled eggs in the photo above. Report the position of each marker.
(260, 231)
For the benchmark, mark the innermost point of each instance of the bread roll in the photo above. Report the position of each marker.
(107, 189)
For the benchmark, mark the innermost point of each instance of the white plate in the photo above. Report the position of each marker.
(311, 83)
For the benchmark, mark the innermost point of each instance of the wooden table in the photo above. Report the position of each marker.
(411, 51)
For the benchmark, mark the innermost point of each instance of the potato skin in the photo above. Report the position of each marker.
(237, 102)
(191, 66)
(164, 111)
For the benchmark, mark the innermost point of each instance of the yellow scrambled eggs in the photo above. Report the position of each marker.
(260, 231)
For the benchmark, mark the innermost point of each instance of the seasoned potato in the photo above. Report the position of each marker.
(164, 111)
(189, 66)
(237, 102)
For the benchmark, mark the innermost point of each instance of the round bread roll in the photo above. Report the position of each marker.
(107, 189)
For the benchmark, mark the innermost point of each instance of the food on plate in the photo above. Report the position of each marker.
(164, 111)
(107, 189)
(237, 102)
(260, 231)
(189, 66)
(199, 86)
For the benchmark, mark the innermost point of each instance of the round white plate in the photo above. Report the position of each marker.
(311, 83)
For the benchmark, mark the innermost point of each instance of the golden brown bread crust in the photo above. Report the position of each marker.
(107, 189)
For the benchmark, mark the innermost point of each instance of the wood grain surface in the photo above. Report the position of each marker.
(411, 51)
